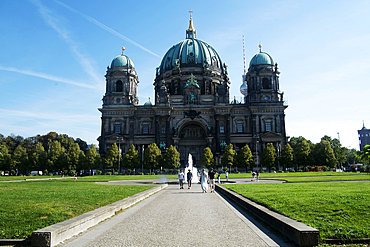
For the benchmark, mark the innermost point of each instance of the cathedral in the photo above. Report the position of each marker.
(192, 108)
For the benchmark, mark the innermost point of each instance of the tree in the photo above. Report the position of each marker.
(38, 158)
(171, 158)
(364, 154)
(20, 158)
(152, 157)
(5, 159)
(207, 159)
(73, 156)
(324, 154)
(82, 144)
(268, 156)
(339, 151)
(92, 158)
(287, 156)
(227, 158)
(302, 153)
(55, 151)
(111, 157)
(131, 159)
(245, 157)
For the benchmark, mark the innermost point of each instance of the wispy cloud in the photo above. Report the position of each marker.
(96, 22)
(51, 19)
(48, 77)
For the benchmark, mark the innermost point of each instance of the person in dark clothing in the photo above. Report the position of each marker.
(189, 177)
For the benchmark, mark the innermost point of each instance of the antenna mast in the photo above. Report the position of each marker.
(244, 55)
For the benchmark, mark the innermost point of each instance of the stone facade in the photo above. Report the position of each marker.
(192, 108)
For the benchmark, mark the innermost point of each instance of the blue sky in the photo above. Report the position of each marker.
(54, 56)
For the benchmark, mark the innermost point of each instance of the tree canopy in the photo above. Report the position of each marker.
(152, 157)
(227, 158)
(131, 159)
(207, 160)
(269, 156)
(245, 157)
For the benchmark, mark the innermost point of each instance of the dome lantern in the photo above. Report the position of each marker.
(190, 32)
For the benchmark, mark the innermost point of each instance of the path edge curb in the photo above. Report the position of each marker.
(57, 233)
(299, 233)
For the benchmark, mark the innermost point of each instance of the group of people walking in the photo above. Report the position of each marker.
(205, 179)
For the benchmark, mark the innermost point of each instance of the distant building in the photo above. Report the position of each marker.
(192, 108)
(364, 136)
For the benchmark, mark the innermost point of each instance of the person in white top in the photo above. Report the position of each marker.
(181, 179)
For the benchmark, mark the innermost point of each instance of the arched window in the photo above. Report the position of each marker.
(266, 83)
(119, 87)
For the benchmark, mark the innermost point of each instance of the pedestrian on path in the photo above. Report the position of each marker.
(219, 177)
(181, 179)
(190, 176)
(204, 180)
(253, 176)
(258, 176)
(211, 175)
(227, 176)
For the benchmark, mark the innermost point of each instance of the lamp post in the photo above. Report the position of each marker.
(256, 137)
(119, 139)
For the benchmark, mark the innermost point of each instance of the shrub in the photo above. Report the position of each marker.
(262, 171)
(141, 173)
(72, 172)
(362, 169)
(280, 171)
(273, 168)
(50, 174)
(129, 171)
(164, 170)
(115, 173)
(108, 173)
(147, 174)
(325, 168)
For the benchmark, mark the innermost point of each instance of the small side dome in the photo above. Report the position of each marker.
(261, 58)
(235, 101)
(122, 61)
(148, 103)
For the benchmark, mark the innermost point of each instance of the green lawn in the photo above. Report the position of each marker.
(28, 206)
(97, 178)
(292, 174)
(322, 178)
(338, 210)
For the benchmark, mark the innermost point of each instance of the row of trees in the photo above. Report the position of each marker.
(51, 152)
(56, 152)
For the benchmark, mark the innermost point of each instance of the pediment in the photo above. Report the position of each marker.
(114, 136)
(271, 134)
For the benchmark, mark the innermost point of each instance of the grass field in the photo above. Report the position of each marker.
(322, 178)
(150, 177)
(28, 206)
(338, 210)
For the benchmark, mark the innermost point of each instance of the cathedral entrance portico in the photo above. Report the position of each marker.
(192, 139)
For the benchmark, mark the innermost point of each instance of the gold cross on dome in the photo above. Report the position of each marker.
(191, 12)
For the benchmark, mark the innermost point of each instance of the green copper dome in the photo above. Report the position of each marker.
(122, 61)
(261, 58)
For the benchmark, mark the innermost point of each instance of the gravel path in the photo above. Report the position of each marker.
(175, 217)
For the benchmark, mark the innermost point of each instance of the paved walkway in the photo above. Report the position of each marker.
(175, 217)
